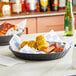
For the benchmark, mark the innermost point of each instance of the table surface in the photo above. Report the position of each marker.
(59, 67)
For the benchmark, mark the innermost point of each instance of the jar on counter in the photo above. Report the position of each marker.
(48, 5)
(37, 6)
(17, 1)
(4, 0)
(62, 4)
(27, 7)
(1, 5)
(6, 9)
(17, 7)
(32, 4)
(43, 5)
(54, 5)
(23, 5)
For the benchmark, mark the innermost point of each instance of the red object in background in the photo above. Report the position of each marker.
(27, 7)
(23, 5)
(37, 7)
(11, 4)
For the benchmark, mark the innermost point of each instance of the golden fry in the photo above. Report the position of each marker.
(41, 42)
(41, 46)
(40, 37)
(31, 43)
(24, 43)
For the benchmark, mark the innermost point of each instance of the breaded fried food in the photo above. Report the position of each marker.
(29, 43)
(38, 44)
(35, 45)
(41, 42)
(40, 37)
(32, 44)
(44, 45)
(24, 43)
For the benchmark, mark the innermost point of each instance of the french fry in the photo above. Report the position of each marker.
(61, 49)
(58, 50)
(56, 45)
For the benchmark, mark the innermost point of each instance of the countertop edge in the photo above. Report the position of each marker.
(33, 16)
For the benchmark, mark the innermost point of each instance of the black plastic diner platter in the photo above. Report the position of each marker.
(50, 56)
(4, 40)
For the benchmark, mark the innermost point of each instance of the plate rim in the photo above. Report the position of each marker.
(34, 54)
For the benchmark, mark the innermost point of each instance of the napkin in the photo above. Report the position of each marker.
(15, 42)
(27, 49)
(52, 37)
(22, 24)
(8, 61)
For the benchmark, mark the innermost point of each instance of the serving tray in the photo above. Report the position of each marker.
(50, 56)
(4, 40)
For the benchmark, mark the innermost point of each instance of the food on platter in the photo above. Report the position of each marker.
(48, 49)
(5, 27)
(31, 44)
(24, 43)
(40, 44)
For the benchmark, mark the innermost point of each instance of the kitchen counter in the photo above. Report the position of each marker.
(59, 67)
(33, 15)
(36, 14)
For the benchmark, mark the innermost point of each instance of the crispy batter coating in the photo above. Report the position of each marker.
(35, 45)
(38, 44)
(40, 37)
(24, 43)
(31, 43)
(44, 45)
(41, 42)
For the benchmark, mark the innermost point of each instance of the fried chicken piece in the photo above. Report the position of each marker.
(24, 43)
(32, 44)
(46, 44)
(35, 45)
(40, 37)
(41, 42)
